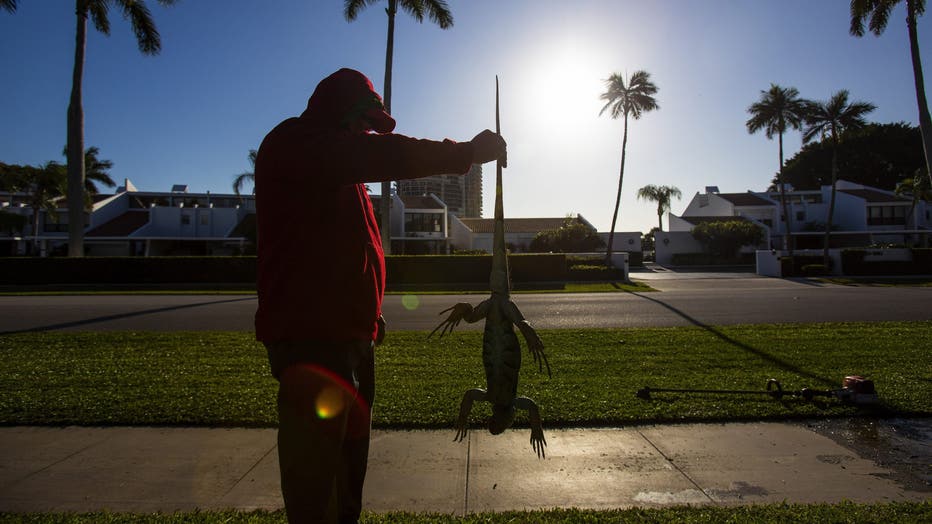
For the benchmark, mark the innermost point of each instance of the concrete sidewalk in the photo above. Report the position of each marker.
(182, 469)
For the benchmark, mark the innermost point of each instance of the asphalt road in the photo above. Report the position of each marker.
(691, 300)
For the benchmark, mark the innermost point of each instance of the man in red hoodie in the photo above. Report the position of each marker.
(322, 276)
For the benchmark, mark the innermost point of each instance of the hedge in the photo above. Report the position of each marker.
(853, 263)
(401, 270)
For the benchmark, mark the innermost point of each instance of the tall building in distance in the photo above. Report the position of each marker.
(461, 193)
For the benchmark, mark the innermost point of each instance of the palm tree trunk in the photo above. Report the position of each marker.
(787, 237)
(75, 192)
(386, 201)
(660, 217)
(621, 177)
(831, 205)
(35, 228)
(925, 121)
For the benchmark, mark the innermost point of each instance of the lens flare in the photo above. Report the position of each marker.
(410, 302)
(330, 402)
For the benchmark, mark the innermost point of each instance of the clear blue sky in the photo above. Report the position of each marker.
(230, 71)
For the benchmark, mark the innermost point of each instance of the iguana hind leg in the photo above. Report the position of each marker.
(538, 442)
(462, 423)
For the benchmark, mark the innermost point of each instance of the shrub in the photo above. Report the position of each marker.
(723, 238)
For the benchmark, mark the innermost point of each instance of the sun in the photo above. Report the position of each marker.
(565, 79)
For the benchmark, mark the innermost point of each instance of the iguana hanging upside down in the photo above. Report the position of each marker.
(501, 351)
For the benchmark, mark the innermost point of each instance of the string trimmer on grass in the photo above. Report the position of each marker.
(855, 390)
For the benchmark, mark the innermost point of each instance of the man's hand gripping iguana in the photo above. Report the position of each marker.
(501, 351)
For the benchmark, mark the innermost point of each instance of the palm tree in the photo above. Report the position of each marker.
(663, 195)
(878, 13)
(832, 118)
(917, 188)
(45, 185)
(147, 36)
(95, 172)
(439, 13)
(778, 109)
(246, 176)
(632, 99)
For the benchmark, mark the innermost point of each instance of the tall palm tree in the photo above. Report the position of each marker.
(439, 13)
(663, 195)
(246, 176)
(832, 118)
(147, 36)
(633, 99)
(778, 109)
(877, 13)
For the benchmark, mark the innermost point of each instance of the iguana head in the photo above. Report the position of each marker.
(502, 418)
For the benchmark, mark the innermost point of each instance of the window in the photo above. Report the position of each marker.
(205, 220)
(423, 222)
(800, 216)
(185, 220)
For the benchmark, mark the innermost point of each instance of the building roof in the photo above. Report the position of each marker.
(701, 220)
(513, 225)
(123, 225)
(746, 199)
(420, 202)
(874, 196)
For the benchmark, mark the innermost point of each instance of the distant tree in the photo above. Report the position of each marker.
(832, 118)
(44, 186)
(147, 36)
(633, 98)
(95, 172)
(877, 13)
(573, 236)
(723, 238)
(663, 195)
(778, 110)
(248, 176)
(439, 13)
(877, 155)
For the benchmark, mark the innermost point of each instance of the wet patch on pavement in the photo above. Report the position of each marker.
(903, 446)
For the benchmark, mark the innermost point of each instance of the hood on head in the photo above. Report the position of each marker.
(345, 96)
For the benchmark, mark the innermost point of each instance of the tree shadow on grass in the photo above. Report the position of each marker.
(118, 316)
(782, 364)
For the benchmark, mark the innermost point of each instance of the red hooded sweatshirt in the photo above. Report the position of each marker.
(321, 270)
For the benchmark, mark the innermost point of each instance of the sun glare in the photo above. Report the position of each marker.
(566, 79)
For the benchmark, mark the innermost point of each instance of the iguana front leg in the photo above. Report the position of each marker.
(538, 442)
(458, 313)
(534, 344)
(462, 423)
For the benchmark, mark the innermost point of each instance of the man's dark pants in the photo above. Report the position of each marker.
(325, 397)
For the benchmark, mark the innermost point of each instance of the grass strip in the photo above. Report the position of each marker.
(891, 513)
(222, 379)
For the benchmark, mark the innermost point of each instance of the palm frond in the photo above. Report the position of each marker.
(147, 36)
(633, 98)
(9, 5)
(351, 8)
(98, 11)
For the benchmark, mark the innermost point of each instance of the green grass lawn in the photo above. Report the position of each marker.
(221, 379)
(906, 513)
